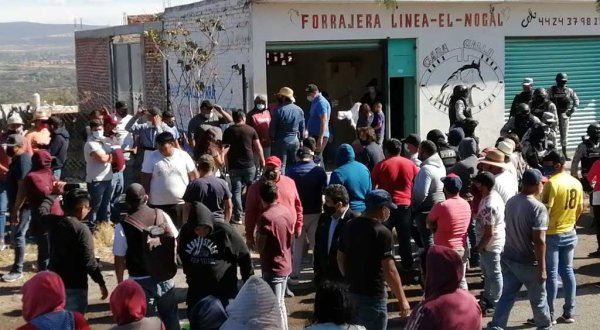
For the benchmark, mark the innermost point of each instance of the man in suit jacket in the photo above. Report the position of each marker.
(337, 214)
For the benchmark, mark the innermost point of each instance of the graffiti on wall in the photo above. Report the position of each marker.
(471, 64)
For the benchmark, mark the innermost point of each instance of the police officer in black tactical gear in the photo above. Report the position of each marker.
(545, 111)
(458, 107)
(524, 97)
(566, 102)
(536, 146)
(447, 153)
(521, 122)
(586, 154)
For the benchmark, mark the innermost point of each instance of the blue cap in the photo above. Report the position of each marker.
(532, 177)
(379, 197)
(452, 183)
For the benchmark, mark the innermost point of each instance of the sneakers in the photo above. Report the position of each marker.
(595, 254)
(565, 319)
(532, 321)
(12, 277)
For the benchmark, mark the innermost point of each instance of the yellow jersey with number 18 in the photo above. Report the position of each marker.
(563, 196)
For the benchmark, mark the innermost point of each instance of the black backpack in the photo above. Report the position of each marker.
(158, 247)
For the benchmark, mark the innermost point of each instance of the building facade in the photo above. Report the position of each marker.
(415, 53)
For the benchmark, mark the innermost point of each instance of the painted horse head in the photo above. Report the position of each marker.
(468, 75)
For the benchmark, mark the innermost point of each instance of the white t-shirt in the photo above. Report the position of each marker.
(125, 137)
(95, 170)
(120, 241)
(491, 212)
(169, 176)
(506, 185)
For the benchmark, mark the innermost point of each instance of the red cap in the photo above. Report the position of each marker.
(273, 161)
(110, 120)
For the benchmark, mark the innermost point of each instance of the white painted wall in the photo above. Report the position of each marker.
(233, 48)
(284, 22)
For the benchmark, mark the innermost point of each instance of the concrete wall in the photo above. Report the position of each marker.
(224, 83)
(456, 42)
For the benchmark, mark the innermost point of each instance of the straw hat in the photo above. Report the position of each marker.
(40, 115)
(287, 92)
(494, 157)
(507, 147)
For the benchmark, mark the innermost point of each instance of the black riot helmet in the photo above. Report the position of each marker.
(540, 95)
(460, 90)
(593, 131)
(561, 77)
(522, 110)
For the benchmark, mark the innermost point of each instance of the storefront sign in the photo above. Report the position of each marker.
(397, 20)
(470, 64)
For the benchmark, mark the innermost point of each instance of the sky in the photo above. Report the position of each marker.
(92, 12)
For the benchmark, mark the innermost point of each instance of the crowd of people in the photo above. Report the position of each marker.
(453, 205)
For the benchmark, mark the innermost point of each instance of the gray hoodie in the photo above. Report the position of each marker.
(428, 188)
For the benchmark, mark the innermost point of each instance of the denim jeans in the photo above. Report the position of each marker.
(309, 230)
(161, 301)
(424, 232)
(100, 194)
(474, 257)
(492, 271)
(57, 173)
(240, 178)
(279, 284)
(400, 219)
(18, 239)
(515, 275)
(559, 261)
(3, 208)
(77, 300)
(118, 186)
(286, 151)
(371, 311)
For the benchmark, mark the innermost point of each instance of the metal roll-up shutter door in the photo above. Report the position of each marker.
(542, 58)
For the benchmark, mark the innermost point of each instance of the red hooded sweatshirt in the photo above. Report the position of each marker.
(44, 295)
(445, 306)
(128, 306)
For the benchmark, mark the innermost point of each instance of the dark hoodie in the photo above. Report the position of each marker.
(38, 182)
(59, 144)
(352, 175)
(210, 263)
(466, 169)
(445, 305)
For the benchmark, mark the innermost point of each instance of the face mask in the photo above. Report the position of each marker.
(260, 107)
(98, 134)
(329, 210)
(548, 170)
(206, 115)
(310, 98)
(122, 114)
(561, 83)
(10, 152)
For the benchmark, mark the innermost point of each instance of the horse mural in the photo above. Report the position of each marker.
(468, 75)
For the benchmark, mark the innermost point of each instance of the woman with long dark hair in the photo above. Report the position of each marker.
(334, 308)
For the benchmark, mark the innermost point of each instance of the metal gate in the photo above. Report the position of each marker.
(542, 58)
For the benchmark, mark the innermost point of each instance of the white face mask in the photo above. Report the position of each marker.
(310, 98)
(98, 134)
(260, 107)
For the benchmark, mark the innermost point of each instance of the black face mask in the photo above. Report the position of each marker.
(561, 83)
(594, 137)
(122, 113)
(329, 210)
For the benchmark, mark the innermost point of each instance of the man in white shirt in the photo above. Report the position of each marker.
(166, 173)
(125, 137)
(98, 169)
(506, 184)
(160, 296)
(332, 221)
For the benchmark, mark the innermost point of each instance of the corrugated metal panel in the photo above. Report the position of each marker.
(542, 58)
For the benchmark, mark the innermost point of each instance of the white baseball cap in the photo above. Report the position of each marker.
(14, 119)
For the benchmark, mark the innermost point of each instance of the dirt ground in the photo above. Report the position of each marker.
(299, 307)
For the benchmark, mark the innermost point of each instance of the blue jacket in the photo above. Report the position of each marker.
(352, 175)
(310, 181)
(287, 123)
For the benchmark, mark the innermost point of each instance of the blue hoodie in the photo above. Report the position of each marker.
(352, 175)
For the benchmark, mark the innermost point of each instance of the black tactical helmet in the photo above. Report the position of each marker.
(593, 129)
(460, 90)
(541, 93)
(523, 110)
(562, 77)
